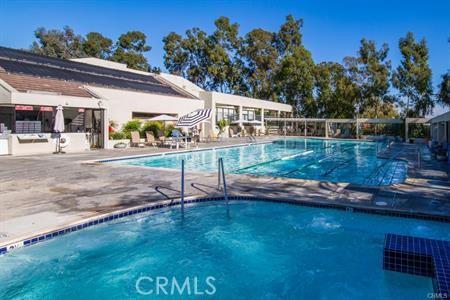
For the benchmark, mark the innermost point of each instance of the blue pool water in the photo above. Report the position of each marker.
(318, 159)
(259, 251)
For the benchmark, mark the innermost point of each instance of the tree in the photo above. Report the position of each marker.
(58, 43)
(260, 57)
(130, 49)
(188, 56)
(295, 82)
(335, 93)
(444, 90)
(289, 36)
(370, 70)
(224, 64)
(175, 57)
(413, 77)
(96, 45)
(210, 61)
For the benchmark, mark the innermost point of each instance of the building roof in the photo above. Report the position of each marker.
(445, 117)
(24, 63)
(30, 84)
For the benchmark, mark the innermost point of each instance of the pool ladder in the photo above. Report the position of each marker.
(220, 179)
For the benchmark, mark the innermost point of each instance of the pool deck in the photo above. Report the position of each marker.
(43, 192)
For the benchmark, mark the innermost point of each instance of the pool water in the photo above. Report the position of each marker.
(259, 250)
(318, 159)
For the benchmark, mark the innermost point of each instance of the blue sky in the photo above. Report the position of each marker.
(332, 29)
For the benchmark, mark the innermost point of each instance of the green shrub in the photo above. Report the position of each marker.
(419, 131)
(117, 135)
(153, 126)
(222, 124)
(168, 130)
(133, 125)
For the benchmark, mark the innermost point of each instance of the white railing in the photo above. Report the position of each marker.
(220, 179)
(221, 175)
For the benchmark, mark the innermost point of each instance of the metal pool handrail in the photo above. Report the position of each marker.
(221, 175)
(182, 187)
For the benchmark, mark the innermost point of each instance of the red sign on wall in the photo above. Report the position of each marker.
(24, 107)
(46, 108)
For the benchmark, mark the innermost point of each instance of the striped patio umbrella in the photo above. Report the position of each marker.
(194, 118)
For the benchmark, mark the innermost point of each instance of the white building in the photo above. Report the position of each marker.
(94, 92)
(440, 129)
(238, 110)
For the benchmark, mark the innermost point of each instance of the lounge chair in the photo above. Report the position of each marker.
(150, 139)
(195, 140)
(232, 134)
(136, 140)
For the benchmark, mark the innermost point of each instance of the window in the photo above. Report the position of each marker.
(225, 113)
(6, 118)
(33, 119)
(248, 115)
(29, 119)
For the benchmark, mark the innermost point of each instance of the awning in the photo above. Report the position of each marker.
(194, 118)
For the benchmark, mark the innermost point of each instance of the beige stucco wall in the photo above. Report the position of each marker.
(121, 104)
(78, 142)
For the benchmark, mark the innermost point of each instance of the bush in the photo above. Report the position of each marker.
(419, 131)
(222, 124)
(168, 130)
(117, 135)
(133, 125)
(153, 126)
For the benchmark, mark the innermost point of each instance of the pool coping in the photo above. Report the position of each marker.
(51, 233)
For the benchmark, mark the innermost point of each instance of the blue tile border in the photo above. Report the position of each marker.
(419, 256)
(132, 211)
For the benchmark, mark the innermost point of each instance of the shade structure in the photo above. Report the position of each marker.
(194, 118)
(59, 120)
(163, 118)
(252, 122)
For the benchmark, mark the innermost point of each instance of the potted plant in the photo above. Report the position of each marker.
(117, 139)
(222, 124)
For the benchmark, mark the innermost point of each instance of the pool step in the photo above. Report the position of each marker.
(419, 256)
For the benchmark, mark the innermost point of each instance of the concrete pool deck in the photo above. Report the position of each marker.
(45, 192)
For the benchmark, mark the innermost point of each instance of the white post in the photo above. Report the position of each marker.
(263, 126)
(357, 128)
(326, 128)
(105, 129)
(240, 109)
(406, 130)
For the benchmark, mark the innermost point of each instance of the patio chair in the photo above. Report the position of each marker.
(150, 139)
(136, 140)
(232, 134)
(195, 140)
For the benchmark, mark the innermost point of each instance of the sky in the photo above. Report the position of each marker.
(331, 31)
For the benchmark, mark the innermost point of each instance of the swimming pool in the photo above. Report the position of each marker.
(260, 250)
(318, 159)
